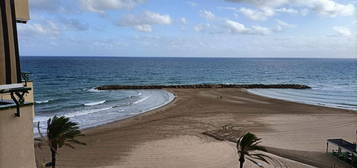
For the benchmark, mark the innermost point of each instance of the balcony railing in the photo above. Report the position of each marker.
(17, 92)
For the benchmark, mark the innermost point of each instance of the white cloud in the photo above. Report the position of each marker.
(183, 20)
(201, 27)
(302, 12)
(207, 14)
(100, 6)
(323, 7)
(144, 28)
(106, 44)
(261, 14)
(145, 21)
(260, 30)
(263, 3)
(283, 25)
(331, 8)
(343, 31)
(236, 27)
(47, 29)
(287, 10)
(73, 24)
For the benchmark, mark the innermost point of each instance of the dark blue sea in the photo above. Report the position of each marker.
(65, 85)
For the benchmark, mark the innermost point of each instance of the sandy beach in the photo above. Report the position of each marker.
(295, 134)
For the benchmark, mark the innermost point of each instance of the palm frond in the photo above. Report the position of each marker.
(61, 131)
(248, 145)
(260, 157)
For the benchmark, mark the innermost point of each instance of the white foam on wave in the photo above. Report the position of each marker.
(95, 103)
(91, 116)
(86, 112)
(42, 101)
(141, 100)
(94, 90)
(40, 119)
(70, 115)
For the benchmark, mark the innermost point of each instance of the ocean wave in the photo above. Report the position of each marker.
(42, 101)
(93, 90)
(96, 115)
(95, 103)
(86, 112)
(70, 115)
(141, 100)
(40, 118)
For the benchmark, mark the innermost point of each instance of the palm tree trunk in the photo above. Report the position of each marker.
(241, 160)
(53, 153)
(241, 163)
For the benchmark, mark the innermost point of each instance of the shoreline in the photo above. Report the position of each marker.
(202, 86)
(301, 102)
(174, 98)
(170, 98)
(194, 111)
(133, 116)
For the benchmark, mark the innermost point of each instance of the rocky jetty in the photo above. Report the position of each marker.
(245, 86)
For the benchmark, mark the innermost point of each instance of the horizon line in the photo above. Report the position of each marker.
(194, 57)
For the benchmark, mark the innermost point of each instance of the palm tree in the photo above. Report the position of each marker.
(61, 132)
(247, 146)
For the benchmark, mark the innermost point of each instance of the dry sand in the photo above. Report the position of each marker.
(172, 135)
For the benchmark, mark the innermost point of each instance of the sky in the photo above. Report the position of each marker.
(192, 28)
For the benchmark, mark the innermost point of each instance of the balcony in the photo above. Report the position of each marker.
(16, 133)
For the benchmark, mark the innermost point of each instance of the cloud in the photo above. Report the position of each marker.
(144, 28)
(236, 27)
(262, 3)
(47, 29)
(261, 14)
(331, 8)
(283, 25)
(302, 12)
(106, 44)
(287, 10)
(100, 6)
(183, 20)
(73, 25)
(343, 31)
(207, 14)
(323, 7)
(260, 30)
(145, 21)
(202, 27)
(224, 25)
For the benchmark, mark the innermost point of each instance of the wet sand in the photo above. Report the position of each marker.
(172, 136)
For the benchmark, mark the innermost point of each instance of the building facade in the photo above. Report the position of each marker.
(16, 96)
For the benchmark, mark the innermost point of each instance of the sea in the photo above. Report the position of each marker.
(66, 85)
